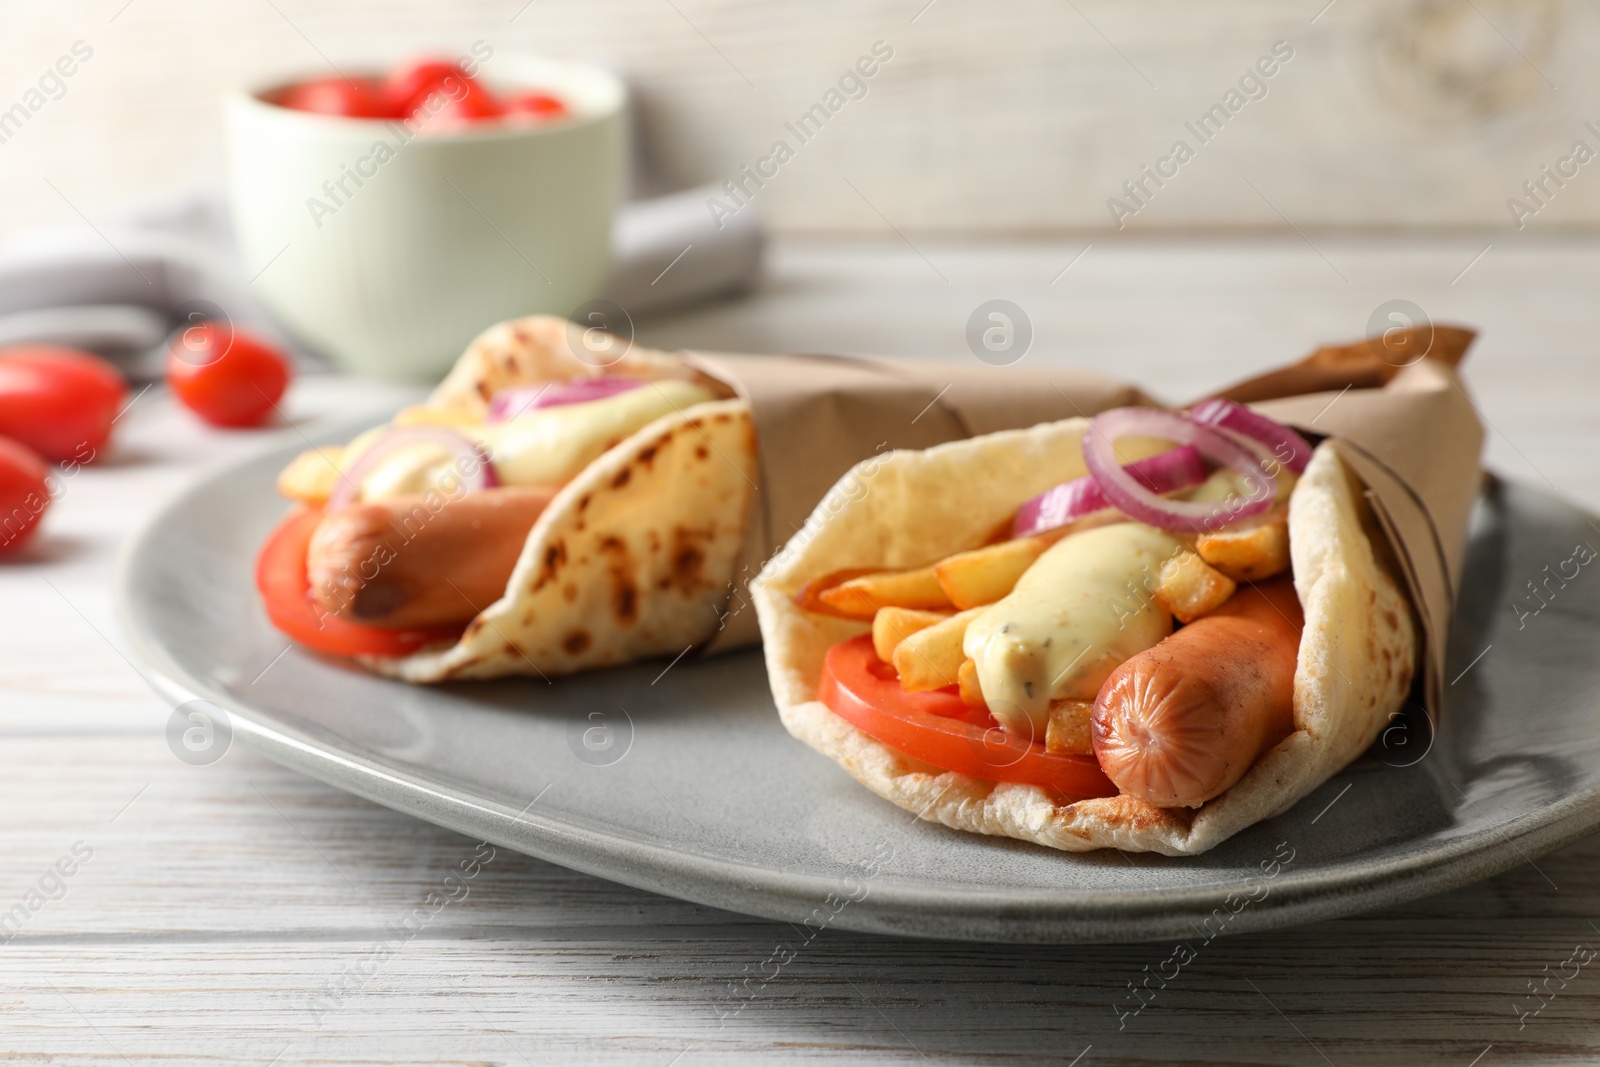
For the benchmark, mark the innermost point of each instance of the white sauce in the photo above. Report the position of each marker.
(547, 446)
(1083, 608)
(551, 445)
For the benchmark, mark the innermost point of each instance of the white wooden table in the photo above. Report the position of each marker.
(239, 913)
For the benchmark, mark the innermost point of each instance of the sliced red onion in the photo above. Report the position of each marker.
(470, 462)
(1140, 504)
(509, 403)
(1287, 447)
(1178, 469)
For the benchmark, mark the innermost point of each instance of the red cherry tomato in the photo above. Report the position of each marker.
(455, 102)
(225, 375)
(938, 728)
(60, 402)
(358, 98)
(24, 493)
(541, 106)
(410, 83)
(286, 592)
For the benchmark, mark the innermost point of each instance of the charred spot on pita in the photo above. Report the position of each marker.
(555, 556)
(627, 601)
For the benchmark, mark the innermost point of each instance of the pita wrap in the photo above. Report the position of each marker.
(632, 557)
(646, 551)
(1357, 655)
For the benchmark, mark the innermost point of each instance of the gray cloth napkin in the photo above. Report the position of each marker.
(121, 289)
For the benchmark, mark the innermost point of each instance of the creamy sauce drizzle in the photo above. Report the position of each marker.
(547, 446)
(1083, 608)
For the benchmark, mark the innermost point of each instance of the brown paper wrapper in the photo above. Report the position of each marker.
(1414, 438)
(817, 416)
(1394, 408)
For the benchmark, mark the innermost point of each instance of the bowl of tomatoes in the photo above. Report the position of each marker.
(388, 215)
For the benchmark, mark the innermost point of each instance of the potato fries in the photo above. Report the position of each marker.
(986, 574)
(967, 679)
(424, 415)
(931, 657)
(1068, 730)
(311, 476)
(1191, 588)
(892, 625)
(1249, 553)
(861, 597)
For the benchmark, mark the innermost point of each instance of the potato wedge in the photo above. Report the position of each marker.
(967, 679)
(986, 574)
(1249, 553)
(931, 658)
(862, 597)
(892, 625)
(1068, 730)
(1190, 587)
(311, 476)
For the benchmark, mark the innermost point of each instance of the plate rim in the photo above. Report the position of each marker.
(959, 913)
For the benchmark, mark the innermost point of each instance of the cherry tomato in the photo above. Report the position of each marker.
(410, 83)
(541, 106)
(225, 375)
(286, 592)
(938, 728)
(60, 402)
(24, 493)
(455, 102)
(357, 98)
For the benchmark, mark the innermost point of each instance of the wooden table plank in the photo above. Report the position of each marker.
(220, 902)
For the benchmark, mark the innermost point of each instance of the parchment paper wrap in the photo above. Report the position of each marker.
(1394, 407)
(1416, 444)
(817, 416)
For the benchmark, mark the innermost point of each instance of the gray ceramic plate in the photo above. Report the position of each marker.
(680, 779)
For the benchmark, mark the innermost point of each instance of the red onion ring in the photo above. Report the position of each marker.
(514, 401)
(465, 455)
(1140, 504)
(1178, 469)
(1288, 447)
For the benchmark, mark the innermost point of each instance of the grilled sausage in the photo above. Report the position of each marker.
(397, 563)
(1180, 722)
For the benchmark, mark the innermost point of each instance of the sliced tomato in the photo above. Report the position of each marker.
(285, 589)
(938, 728)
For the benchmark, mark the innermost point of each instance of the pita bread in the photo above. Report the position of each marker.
(1356, 659)
(545, 348)
(632, 557)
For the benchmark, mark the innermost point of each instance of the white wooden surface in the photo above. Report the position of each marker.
(222, 902)
(1016, 117)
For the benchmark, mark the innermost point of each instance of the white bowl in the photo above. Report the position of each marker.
(389, 250)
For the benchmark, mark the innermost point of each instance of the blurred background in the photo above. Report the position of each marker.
(1016, 119)
(1337, 156)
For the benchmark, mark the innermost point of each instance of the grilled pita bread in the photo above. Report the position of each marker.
(632, 557)
(1356, 660)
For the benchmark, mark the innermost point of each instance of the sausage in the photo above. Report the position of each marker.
(1180, 722)
(397, 563)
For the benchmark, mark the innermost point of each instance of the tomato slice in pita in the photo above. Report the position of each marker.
(938, 728)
